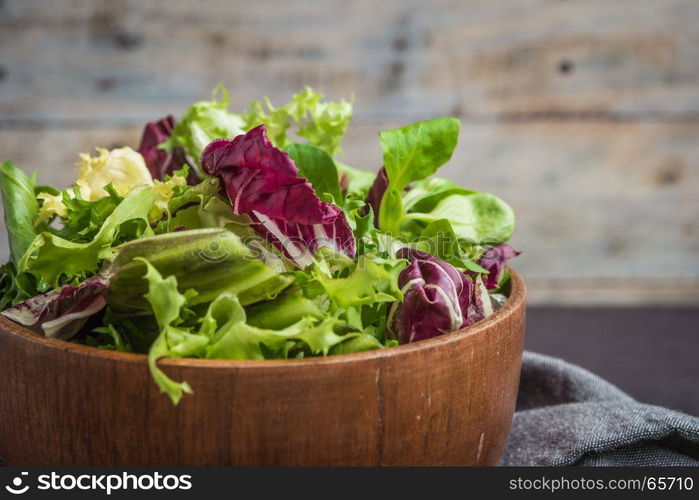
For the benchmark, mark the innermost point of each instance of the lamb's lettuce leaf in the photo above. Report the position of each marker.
(480, 218)
(424, 194)
(410, 154)
(416, 151)
(440, 240)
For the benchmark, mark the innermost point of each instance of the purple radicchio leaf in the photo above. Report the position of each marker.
(481, 305)
(159, 161)
(263, 182)
(494, 260)
(375, 194)
(61, 313)
(438, 299)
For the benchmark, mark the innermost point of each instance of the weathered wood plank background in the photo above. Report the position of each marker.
(583, 115)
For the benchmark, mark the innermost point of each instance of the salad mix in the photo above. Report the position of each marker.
(242, 236)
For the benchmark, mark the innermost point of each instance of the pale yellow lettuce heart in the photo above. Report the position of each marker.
(124, 168)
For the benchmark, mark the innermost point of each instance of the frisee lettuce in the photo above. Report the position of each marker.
(53, 260)
(307, 116)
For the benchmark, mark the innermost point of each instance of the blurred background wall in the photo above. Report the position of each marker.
(583, 115)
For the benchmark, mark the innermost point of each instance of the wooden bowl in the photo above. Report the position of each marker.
(443, 401)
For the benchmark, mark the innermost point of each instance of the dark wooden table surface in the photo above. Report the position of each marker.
(651, 353)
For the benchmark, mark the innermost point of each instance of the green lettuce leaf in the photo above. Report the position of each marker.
(318, 167)
(209, 261)
(20, 207)
(242, 341)
(360, 343)
(223, 332)
(440, 240)
(288, 308)
(410, 154)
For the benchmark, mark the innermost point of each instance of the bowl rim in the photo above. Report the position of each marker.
(515, 301)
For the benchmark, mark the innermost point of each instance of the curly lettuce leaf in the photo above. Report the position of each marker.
(20, 207)
(122, 168)
(166, 303)
(82, 219)
(50, 257)
(322, 123)
(202, 123)
(373, 280)
(223, 332)
(360, 343)
(243, 341)
(358, 294)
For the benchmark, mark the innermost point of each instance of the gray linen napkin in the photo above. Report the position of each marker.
(569, 416)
